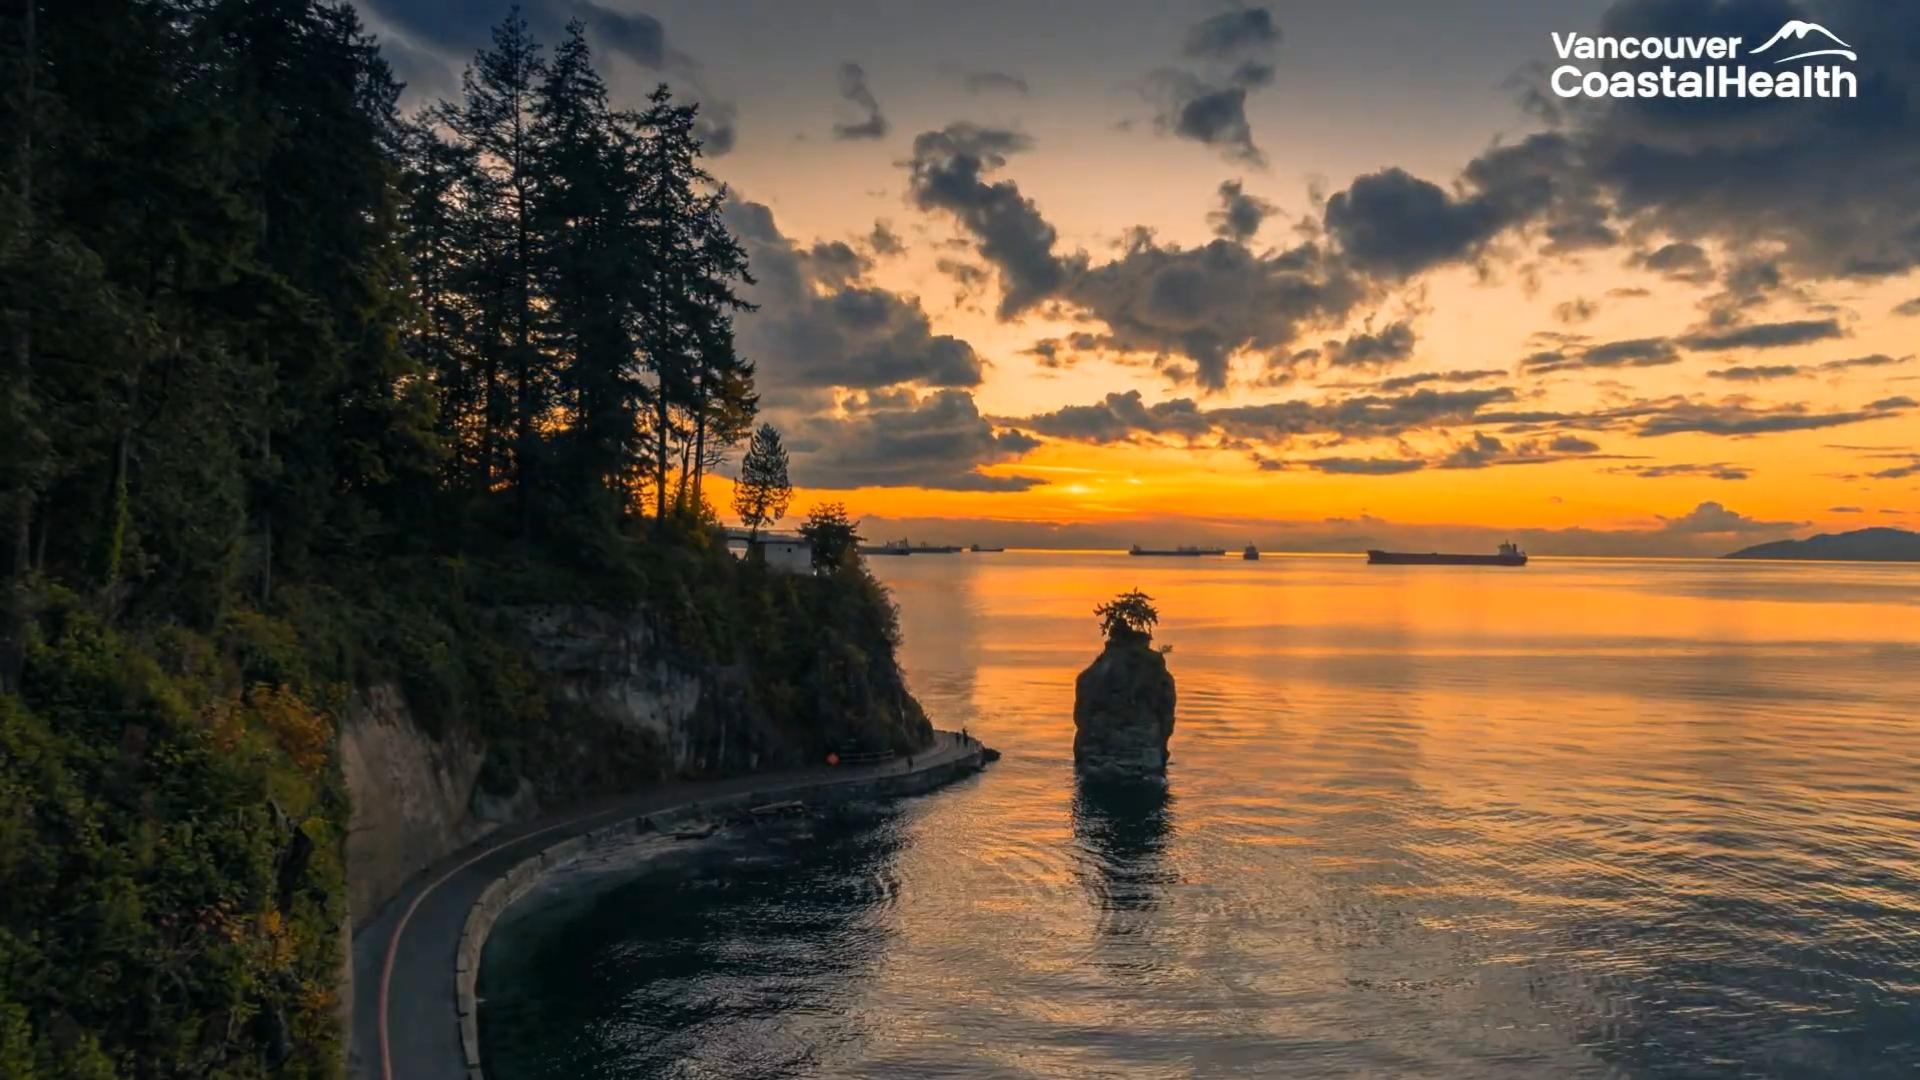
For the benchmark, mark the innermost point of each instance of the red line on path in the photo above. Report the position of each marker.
(393, 943)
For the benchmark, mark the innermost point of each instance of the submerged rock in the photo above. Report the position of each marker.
(1123, 711)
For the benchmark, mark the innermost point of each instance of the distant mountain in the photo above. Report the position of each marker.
(1860, 545)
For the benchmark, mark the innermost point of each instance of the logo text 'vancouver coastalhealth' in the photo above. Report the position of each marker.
(1716, 66)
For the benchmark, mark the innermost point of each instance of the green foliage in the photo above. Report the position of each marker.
(835, 537)
(1129, 615)
(140, 933)
(760, 497)
(299, 398)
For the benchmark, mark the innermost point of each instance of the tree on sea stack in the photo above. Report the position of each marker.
(1123, 702)
(761, 496)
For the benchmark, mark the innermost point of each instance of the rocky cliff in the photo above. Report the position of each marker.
(624, 704)
(1123, 711)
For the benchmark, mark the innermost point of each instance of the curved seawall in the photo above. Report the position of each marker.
(416, 1014)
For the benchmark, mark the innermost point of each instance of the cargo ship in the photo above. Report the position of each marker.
(1190, 551)
(1510, 555)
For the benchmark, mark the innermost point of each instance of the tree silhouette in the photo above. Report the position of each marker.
(1129, 615)
(760, 497)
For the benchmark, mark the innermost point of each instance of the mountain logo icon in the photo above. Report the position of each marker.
(1798, 29)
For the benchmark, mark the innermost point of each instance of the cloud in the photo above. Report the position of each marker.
(1831, 186)
(1577, 310)
(1908, 307)
(442, 35)
(1209, 106)
(820, 324)
(1713, 519)
(900, 438)
(1366, 348)
(1350, 466)
(946, 173)
(854, 89)
(1481, 451)
(1232, 34)
(987, 82)
(1757, 373)
(884, 241)
(1126, 417)
(1395, 223)
(1761, 372)
(1845, 510)
(1210, 302)
(1632, 352)
(1718, 470)
(1679, 261)
(1407, 382)
(1737, 418)
(1240, 215)
(1764, 335)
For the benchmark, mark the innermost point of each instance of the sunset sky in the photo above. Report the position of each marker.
(1315, 275)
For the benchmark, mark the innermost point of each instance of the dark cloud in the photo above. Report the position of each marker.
(1481, 450)
(884, 241)
(1063, 352)
(1126, 417)
(985, 82)
(1764, 335)
(1209, 302)
(1719, 470)
(717, 127)
(1396, 223)
(1633, 352)
(1577, 310)
(898, 438)
(1408, 382)
(1832, 185)
(1908, 307)
(1239, 215)
(1845, 510)
(1349, 466)
(1898, 472)
(1738, 418)
(821, 325)
(1369, 349)
(1213, 115)
(854, 90)
(1233, 34)
(1209, 106)
(1761, 372)
(442, 35)
(1679, 261)
(454, 27)
(1757, 373)
(947, 173)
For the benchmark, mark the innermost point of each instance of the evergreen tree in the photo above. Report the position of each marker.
(760, 496)
(835, 536)
(495, 119)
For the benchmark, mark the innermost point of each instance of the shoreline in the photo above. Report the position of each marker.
(420, 957)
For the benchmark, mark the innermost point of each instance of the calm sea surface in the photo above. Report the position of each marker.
(1589, 818)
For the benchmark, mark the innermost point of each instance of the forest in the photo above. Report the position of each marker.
(294, 391)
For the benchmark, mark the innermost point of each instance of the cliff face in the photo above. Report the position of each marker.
(625, 707)
(1123, 712)
(411, 796)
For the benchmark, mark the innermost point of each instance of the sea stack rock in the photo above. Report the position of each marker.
(1123, 710)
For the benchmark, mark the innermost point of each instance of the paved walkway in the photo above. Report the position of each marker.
(405, 1019)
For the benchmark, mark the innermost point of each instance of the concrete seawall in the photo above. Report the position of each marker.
(451, 917)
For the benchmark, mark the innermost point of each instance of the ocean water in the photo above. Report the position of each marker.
(1586, 818)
